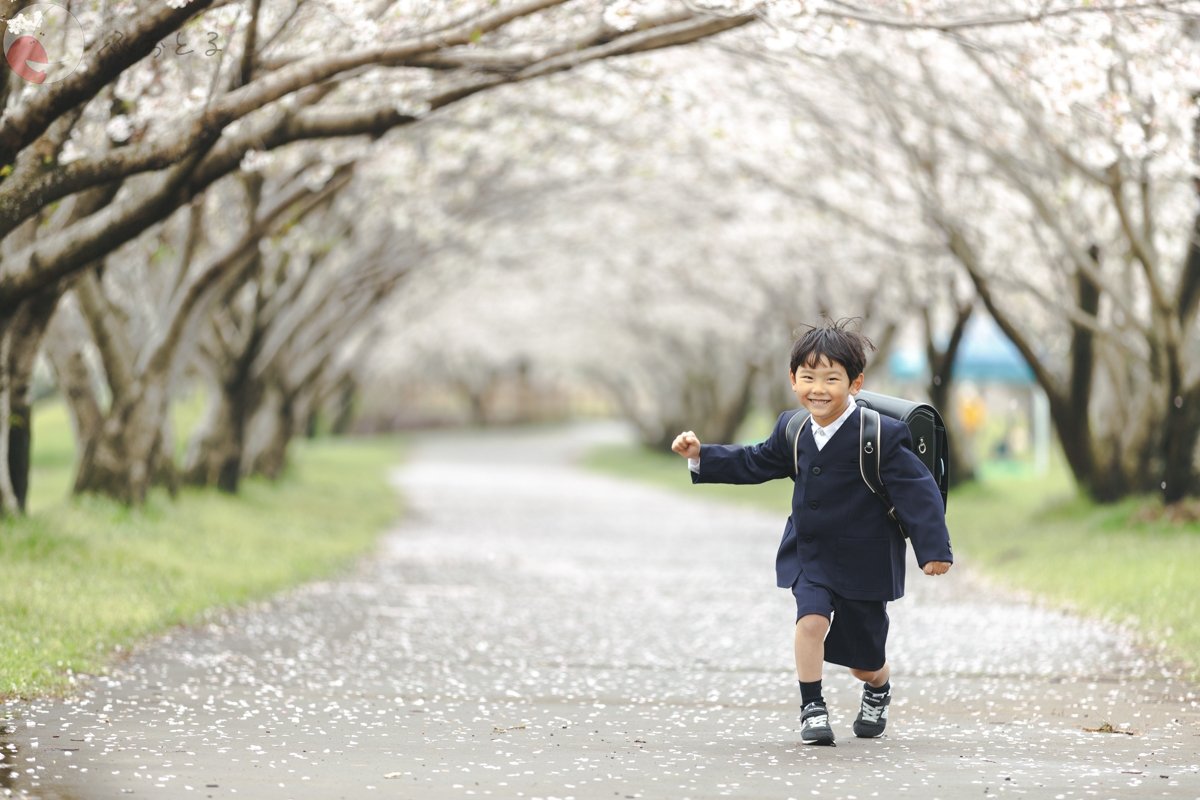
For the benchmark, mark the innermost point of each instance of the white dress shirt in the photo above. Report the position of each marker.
(820, 435)
(823, 435)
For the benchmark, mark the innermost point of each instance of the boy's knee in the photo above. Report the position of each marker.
(813, 626)
(871, 676)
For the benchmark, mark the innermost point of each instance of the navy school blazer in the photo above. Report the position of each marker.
(839, 534)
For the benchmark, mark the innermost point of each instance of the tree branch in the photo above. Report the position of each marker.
(158, 355)
(1031, 119)
(856, 14)
(150, 27)
(965, 254)
(1142, 250)
(116, 351)
(19, 199)
(60, 254)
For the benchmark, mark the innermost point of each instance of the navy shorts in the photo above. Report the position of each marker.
(858, 629)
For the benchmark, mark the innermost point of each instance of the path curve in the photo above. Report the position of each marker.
(532, 630)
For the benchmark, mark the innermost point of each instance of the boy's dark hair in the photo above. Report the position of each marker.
(835, 341)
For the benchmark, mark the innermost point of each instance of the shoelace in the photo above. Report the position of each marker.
(816, 721)
(870, 711)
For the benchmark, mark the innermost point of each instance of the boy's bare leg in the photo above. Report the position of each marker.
(810, 647)
(877, 678)
(810, 659)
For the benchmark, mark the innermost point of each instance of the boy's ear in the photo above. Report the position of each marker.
(857, 383)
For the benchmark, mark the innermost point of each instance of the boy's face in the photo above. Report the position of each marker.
(824, 389)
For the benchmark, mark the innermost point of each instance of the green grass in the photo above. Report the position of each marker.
(86, 575)
(53, 456)
(1041, 535)
(1033, 533)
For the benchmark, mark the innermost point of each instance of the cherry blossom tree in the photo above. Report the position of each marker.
(277, 75)
(685, 314)
(283, 339)
(979, 140)
(1074, 175)
(1055, 164)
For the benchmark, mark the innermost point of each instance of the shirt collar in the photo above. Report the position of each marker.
(832, 428)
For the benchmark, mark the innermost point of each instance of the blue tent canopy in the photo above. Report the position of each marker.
(985, 355)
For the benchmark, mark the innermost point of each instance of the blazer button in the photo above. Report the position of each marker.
(814, 504)
(816, 470)
(809, 539)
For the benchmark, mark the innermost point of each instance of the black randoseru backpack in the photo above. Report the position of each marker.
(925, 426)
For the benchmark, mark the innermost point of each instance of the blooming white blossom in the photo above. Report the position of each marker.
(316, 177)
(256, 161)
(622, 14)
(28, 21)
(413, 107)
(72, 151)
(119, 128)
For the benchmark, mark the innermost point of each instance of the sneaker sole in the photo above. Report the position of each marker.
(822, 742)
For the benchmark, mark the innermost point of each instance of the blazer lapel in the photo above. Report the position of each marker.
(851, 423)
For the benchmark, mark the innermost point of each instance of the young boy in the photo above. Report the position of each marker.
(841, 554)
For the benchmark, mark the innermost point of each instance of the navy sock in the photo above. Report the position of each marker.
(810, 693)
(878, 689)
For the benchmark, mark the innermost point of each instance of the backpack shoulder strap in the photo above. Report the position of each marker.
(792, 432)
(870, 445)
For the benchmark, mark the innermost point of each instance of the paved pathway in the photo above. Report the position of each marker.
(535, 631)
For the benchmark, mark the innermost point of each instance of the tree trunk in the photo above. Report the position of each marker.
(132, 450)
(215, 454)
(1069, 407)
(20, 339)
(23, 324)
(941, 383)
(1180, 434)
(75, 382)
(120, 450)
(345, 407)
(705, 407)
(727, 420)
(1182, 429)
(125, 457)
(477, 404)
(274, 424)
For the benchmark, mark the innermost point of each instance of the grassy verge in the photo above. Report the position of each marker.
(87, 575)
(1032, 533)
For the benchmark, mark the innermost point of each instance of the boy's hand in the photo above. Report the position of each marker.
(687, 445)
(937, 567)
